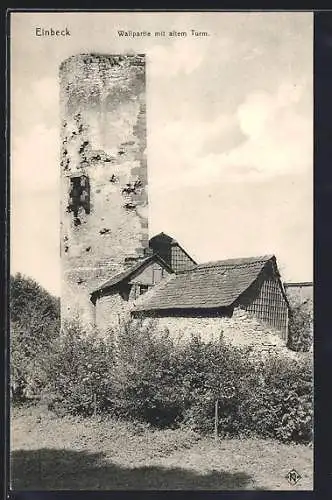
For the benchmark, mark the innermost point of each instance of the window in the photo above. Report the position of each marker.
(138, 290)
(142, 289)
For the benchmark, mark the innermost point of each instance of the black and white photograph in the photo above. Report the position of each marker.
(161, 251)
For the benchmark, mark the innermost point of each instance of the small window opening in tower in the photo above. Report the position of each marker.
(79, 195)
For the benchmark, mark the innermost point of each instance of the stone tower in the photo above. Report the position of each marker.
(104, 205)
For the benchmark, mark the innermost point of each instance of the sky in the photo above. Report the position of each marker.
(230, 132)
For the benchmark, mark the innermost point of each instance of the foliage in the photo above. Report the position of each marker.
(300, 329)
(129, 373)
(34, 324)
(79, 372)
(146, 377)
(140, 374)
(271, 398)
(281, 403)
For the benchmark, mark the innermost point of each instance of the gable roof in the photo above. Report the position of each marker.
(209, 285)
(170, 241)
(165, 237)
(128, 273)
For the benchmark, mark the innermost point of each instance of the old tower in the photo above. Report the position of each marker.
(104, 219)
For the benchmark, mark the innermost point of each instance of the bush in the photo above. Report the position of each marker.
(146, 382)
(300, 329)
(270, 399)
(213, 371)
(165, 384)
(139, 374)
(79, 372)
(281, 405)
(34, 325)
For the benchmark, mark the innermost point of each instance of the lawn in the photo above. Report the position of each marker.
(53, 453)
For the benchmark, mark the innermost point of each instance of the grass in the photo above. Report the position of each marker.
(53, 453)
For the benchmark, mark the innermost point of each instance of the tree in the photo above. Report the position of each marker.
(34, 324)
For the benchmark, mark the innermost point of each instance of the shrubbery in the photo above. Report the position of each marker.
(281, 402)
(300, 328)
(141, 374)
(34, 325)
(79, 373)
(138, 373)
(146, 378)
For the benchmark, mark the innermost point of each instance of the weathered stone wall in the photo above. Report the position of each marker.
(110, 311)
(242, 329)
(104, 225)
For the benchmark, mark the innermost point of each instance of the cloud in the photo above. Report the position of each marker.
(175, 148)
(35, 206)
(274, 138)
(35, 160)
(259, 108)
(35, 237)
(181, 56)
(35, 103)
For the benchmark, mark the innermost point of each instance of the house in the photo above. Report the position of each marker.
(115, 296)
(243, 298)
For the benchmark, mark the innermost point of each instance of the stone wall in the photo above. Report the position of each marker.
(110, 311)
(104, 225)
(241, 329)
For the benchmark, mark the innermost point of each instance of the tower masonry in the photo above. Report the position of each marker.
(104, 201)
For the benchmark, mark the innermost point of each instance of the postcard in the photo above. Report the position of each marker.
(161, 308)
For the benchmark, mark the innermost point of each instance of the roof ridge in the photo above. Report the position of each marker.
(229, 263)
(298, 283)
(237, 261)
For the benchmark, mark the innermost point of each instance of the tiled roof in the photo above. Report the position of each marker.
(209, 285)
(126, 274)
